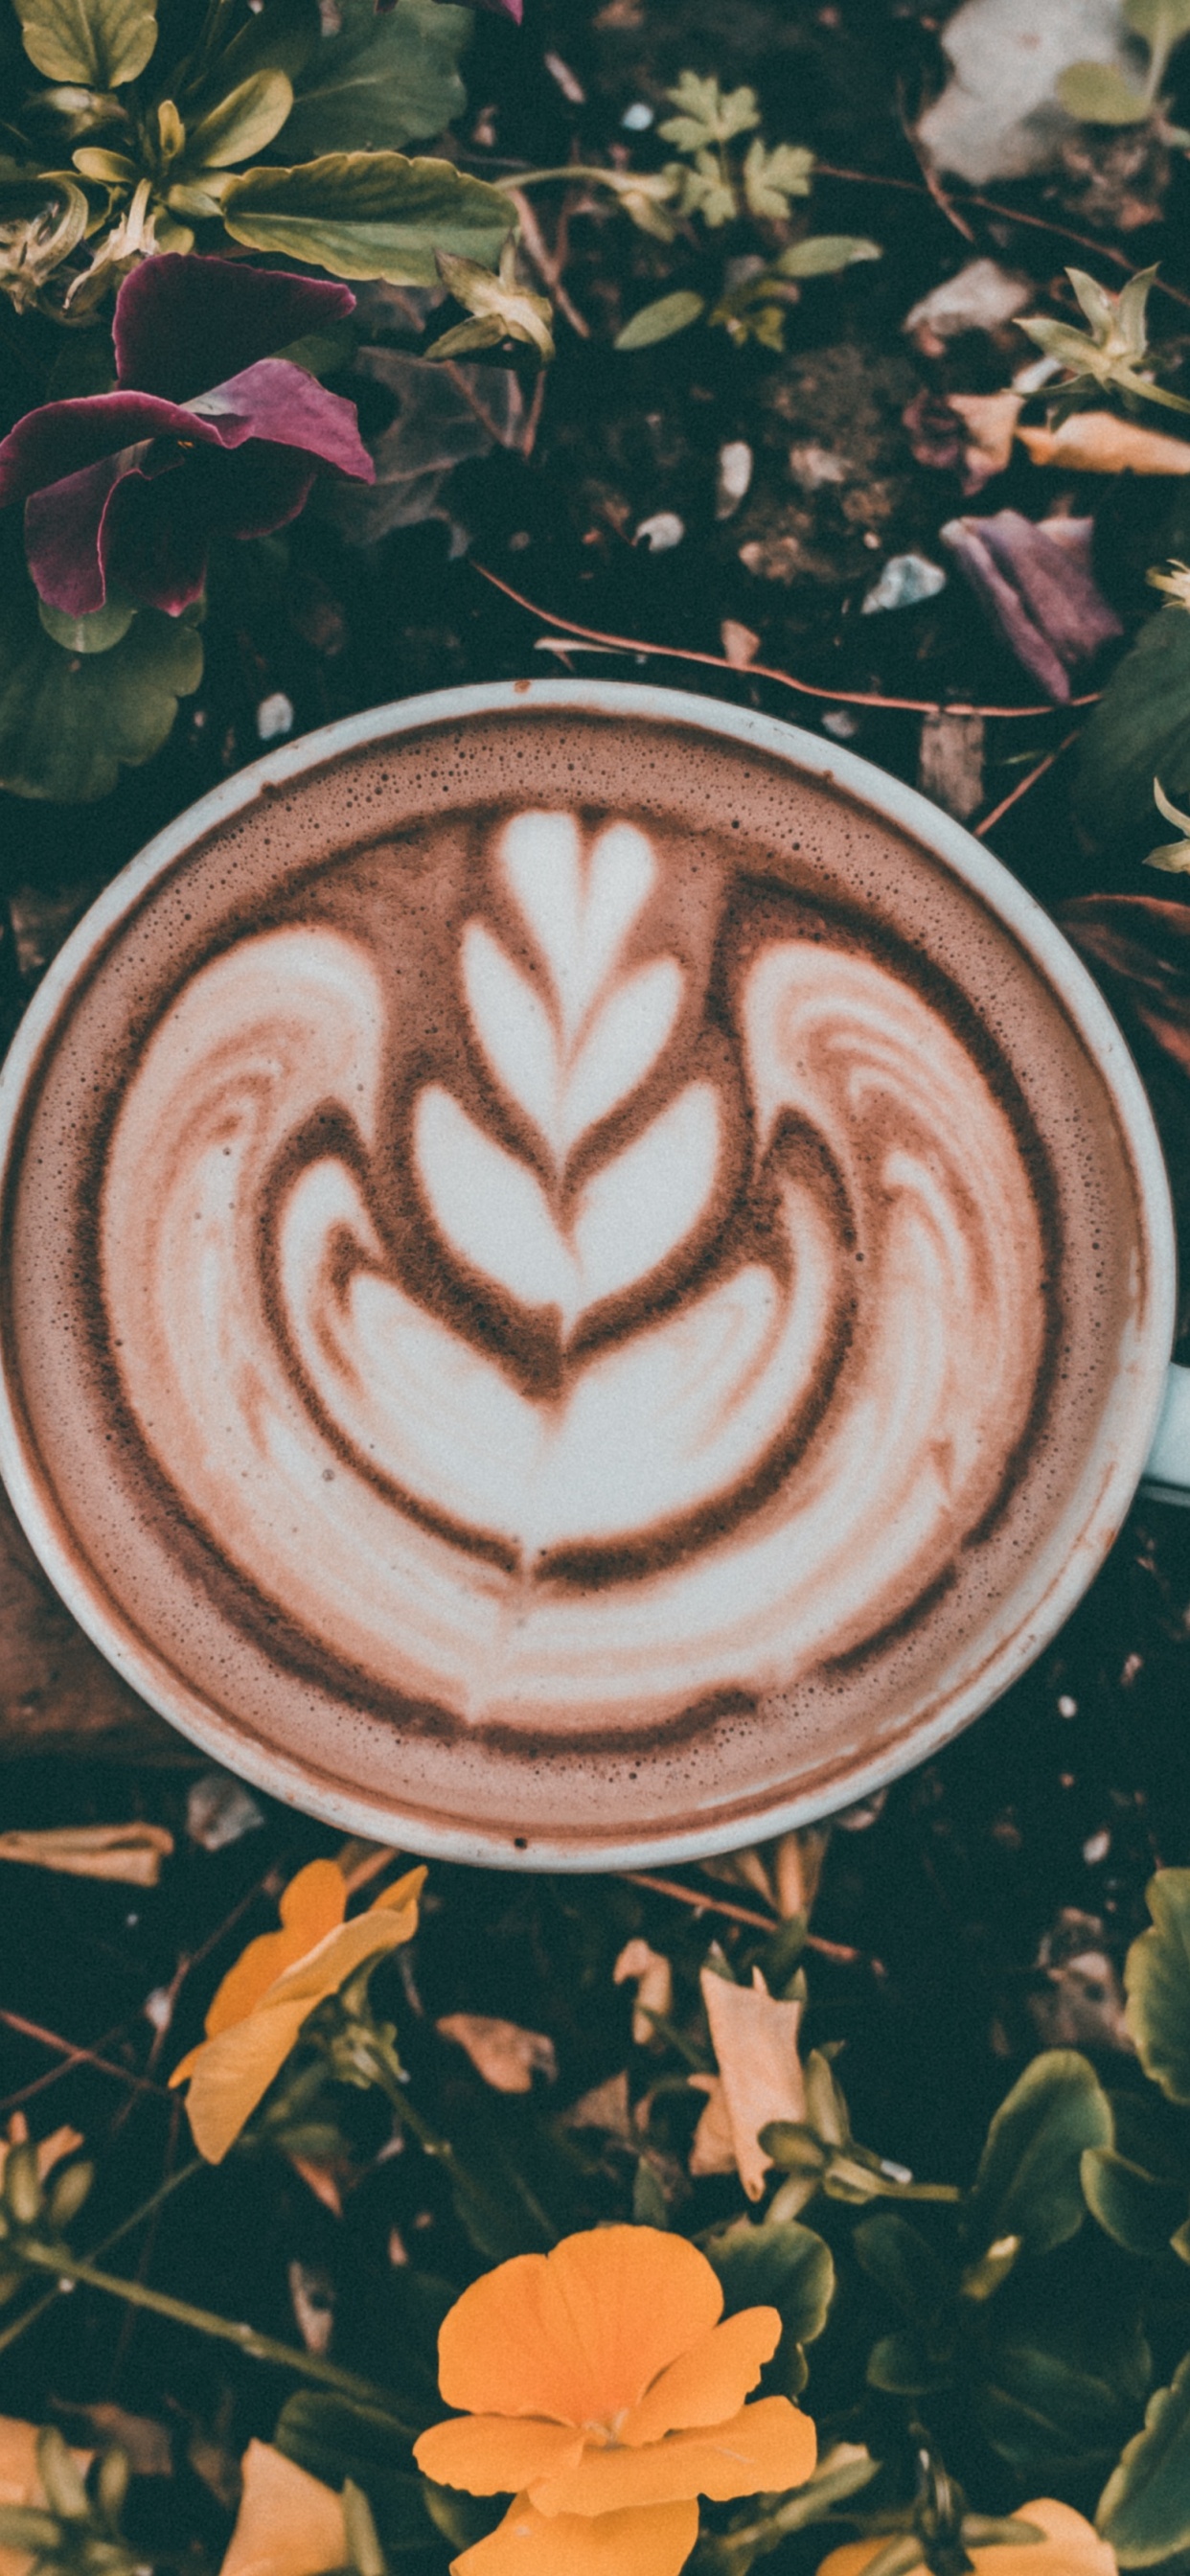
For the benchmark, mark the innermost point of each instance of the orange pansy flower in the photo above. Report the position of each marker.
(600, 2384)
(289, 2524)
(273, 1988)
(1070, 2547)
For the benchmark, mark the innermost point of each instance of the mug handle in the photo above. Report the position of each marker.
(1166, 1477)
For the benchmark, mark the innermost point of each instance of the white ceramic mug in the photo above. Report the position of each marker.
(1144, 1438)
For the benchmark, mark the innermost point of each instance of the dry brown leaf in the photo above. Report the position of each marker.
(712, 2149)
(989, 421)
(605, 2107)
(755, 2041)
(133, 1854)
(1096, 442)
(506, 2056)
(650, 1972)
(289, 2524)
(740, 645)
(797, 1869)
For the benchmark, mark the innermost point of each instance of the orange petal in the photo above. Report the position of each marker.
(230, 2073)
(289, 2524)
(768, 2446)
(311, 1906)
(1098, 442)
(404, 1891)
(710, 2383)
(495, 2454)
(654, 2542)
(581, 2333)
(1071, 2547)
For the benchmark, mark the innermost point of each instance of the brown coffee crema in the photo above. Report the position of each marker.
(540, 1271)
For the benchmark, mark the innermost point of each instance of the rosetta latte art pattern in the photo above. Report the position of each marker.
(713, 1353)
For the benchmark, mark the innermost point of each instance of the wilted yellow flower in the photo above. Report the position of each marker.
(1070, 2547)
(599, 2382)
(273, 1988)
(289, 2524)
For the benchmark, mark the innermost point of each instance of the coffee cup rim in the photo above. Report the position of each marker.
(873, 790)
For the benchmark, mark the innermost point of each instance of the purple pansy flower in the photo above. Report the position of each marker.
(207, 433)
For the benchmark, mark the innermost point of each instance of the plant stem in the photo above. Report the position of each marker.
(432, 2143)
(261, 2347)
(12, 2334)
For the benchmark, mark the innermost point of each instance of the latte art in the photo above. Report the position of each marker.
(647, 1324)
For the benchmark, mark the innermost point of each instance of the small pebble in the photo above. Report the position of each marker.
(905, 580)
(274, 717)
(159, 2008)
(1097, 1847)
(638, 118)
(840, 722)
(1067, 1707)
(735, 475)
(662, 531)
(219, 1811)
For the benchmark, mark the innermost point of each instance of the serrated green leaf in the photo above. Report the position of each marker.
(1157, 1972)
(1097, 94)
(382, 82)
(707, 114)
(334, 2439)
(70, 721)
(772, 178)
(1144, 2510)
(1138, 2209)
(369, 214)
(661, 320)
(94, 44)
(1028, 2183)
(242, 123)
(1139, 730)
(824, 254)
(94, 634)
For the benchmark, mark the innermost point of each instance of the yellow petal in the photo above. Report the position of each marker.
(288, 2524)
(709, 2383)
(312, 1904)
(1095, 442)
(768, 2446)
(496, 2454)
(654, 2542)
(230, 2073)
(403, 1892)
(755, 2041)
(581, 2333)
(1071, 2547)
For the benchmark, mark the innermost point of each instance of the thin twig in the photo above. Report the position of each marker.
(54, 2075)
(80, 2056)
(930, 178)
(1007, 214)
(765, 670)
(1023, 785)
(547, 267)
(841, 1951)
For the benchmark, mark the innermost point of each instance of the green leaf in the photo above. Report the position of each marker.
(1157, 1973)
(1158, 22)
(94, 634)
(94, 44)
(824, 254)
(708, 114)
(897, 2256)
(1044, 2409)
(772, 178)
(382, 82)
(280, 37)
(1139, 2210)
(1144, 2510)
(1097, 94)
(242, 123)
(1139, 730)
(334, 2439)
(904, 2365)
(778, 2266)
(659, 321)
(69, 721)
(24, 2526)
(1028, 2182)
(369, 214)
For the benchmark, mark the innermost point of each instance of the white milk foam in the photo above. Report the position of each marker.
(392, 1483)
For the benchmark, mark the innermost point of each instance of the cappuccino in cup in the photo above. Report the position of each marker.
(572, 1291)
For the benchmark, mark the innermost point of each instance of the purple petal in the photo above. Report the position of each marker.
(183, 324)
(965, 540)
(67, 526)
(281, 403)
(155, 532)
(261, 488)
(1057, 590)
(62, 438)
